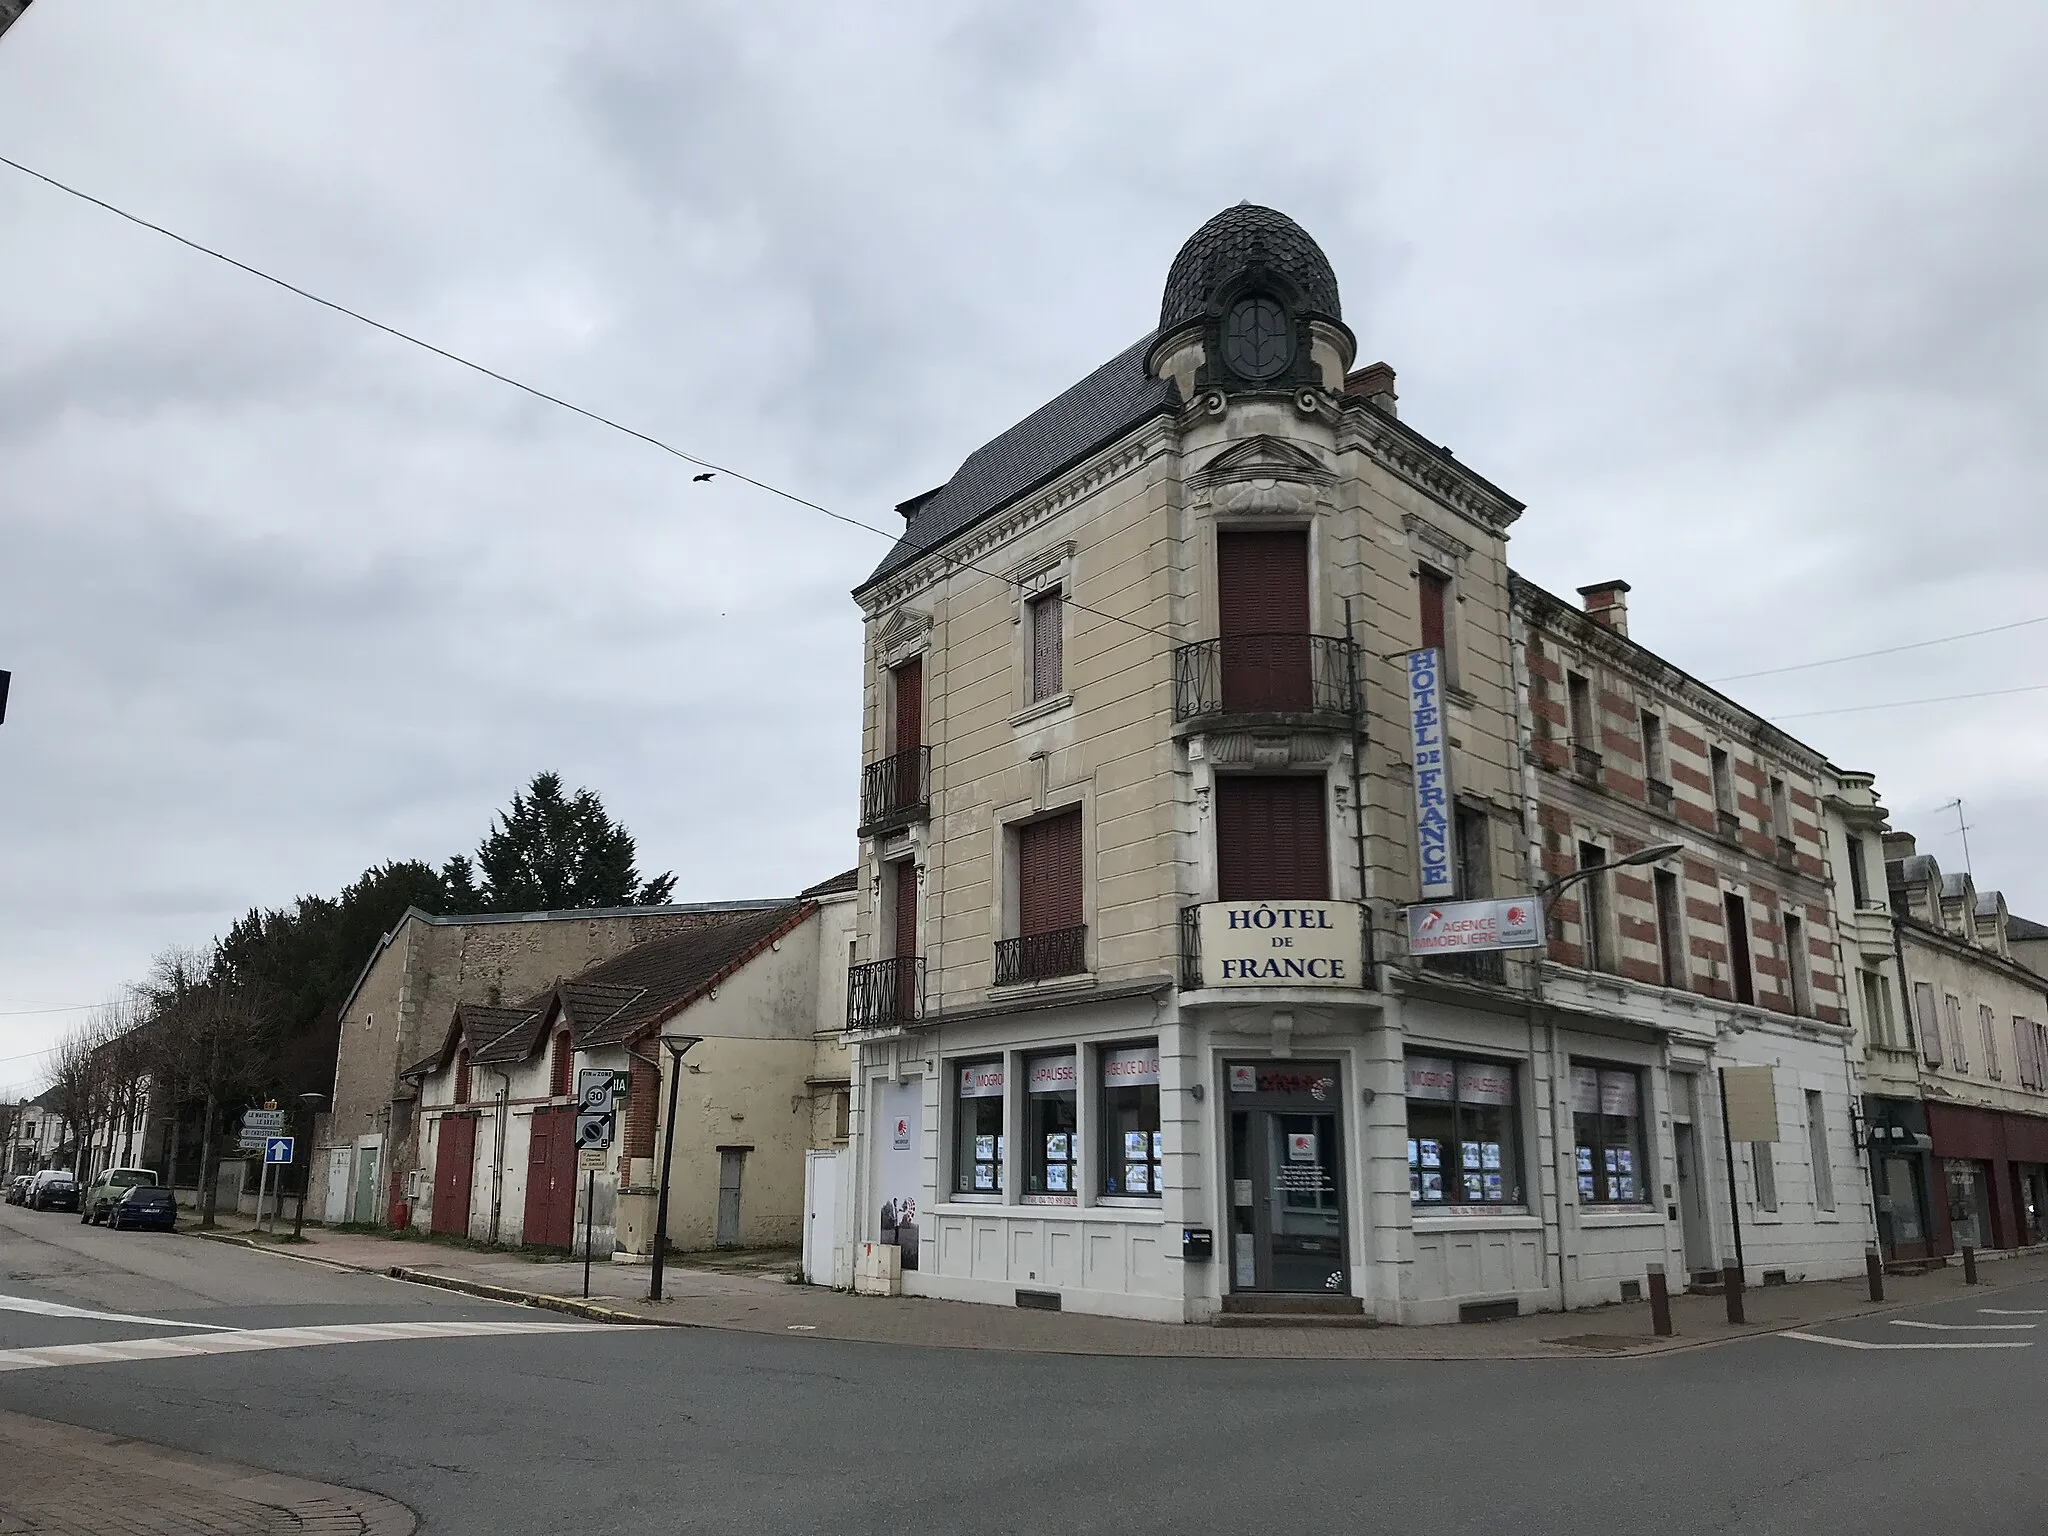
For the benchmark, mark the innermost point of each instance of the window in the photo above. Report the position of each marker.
(1987, 1025)
(1272, 840)
(1929, 1025)
(1593, 908)
(907, 697)
(1877, 1009)
(978, 1128)
(1607, 1127)
(1670, 931)
(1654, 765)
(1579, 696)
(1781, 810)
(1132, 1157)
(1859, 882)
(1958, 1052)
(1724, 781)
(1765, 1171)
(842, 1115)
(1798, 965)
(1434, 592)
(560, 1060)
(1262, 611)
(1464, 1143)
(1736, 913)
(1052, 1123)
(1050, 935)
(1475, 862)
(1046, 629)
(1817, 1149)
(462, 1075)
(2026, 1053)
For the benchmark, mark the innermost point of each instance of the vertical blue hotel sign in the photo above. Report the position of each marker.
(1432, 773)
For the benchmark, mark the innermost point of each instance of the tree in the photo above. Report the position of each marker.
(552, 853)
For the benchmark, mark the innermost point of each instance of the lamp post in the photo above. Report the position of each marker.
(677, 1047)
(310, 1103)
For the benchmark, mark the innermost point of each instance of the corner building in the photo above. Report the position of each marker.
(1134, 1027)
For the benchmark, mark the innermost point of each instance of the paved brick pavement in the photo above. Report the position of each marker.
(753, 1303)
(58, 1480)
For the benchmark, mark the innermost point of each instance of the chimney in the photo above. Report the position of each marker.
(1607, 603)
(1897, 846)
(1375, 381)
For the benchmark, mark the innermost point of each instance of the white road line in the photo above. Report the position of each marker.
(2014, 1311)
(1821, 1338)
(1907, 1322)
(58, 1309)
(239, 1342)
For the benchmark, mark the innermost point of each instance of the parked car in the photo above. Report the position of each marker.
(107, 1188)
(54, 1189)
(144, 1205)
(17, 1188)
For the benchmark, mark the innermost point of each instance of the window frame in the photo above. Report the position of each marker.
(1987, 1025)
(1038, 1165)
(1594, 949)
(1108, 1124)
(1037, 688)
(1598, 1172)
(1581, 711)
(1737, 937)
(1952, 1016)
(962, 1186)
(1763, 1175)
(1927, 1018)
(1656, 751)
(1798, 964)
(1474, 859)
(1514, 1197)
(1673, 952)
(1721, 772)
(1817, 1150)
(1428, 579)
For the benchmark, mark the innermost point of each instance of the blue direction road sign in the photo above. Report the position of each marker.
(278, 1149)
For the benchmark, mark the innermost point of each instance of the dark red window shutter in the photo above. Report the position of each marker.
(1046, 669)
(1049, 874)
(904, 874)
(559, 1064)
(1433, 590)
(909, 700)
(1272, 840)
(1262, 613)
(462, 1076)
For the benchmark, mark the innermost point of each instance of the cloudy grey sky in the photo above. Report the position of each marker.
(1746, 302)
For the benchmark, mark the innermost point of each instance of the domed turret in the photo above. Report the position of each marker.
(1236, 240)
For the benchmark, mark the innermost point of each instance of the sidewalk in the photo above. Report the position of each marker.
(719, 1299)
(79, 1482)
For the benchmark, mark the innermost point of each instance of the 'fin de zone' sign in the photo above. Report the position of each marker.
(1282, 944)
(1432, 774)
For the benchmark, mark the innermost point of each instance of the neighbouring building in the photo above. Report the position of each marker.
(1722, 952)
(38, 1135)
(766, 1083)
(1179, 696)
(1980, 1032)
(401, 1003)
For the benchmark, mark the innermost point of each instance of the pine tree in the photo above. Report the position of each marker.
(552, 852)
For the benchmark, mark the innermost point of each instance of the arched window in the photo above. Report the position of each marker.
(462, 1075)
(559, 1064)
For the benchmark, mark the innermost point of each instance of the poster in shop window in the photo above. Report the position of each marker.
(1158, 1146)
(1301, 1147)
(1432, 1157)
(1489, 1155)
(899, 1170)
(1137, 1179)
(1056, 1178)
(1471, 1154)
(1134, 1144)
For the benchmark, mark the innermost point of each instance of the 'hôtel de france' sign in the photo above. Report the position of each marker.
(1432, 774)
(1282, 944)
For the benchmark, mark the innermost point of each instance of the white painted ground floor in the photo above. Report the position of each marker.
(1431, 1154)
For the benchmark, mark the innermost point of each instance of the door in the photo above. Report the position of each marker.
(730, 1161)
(453, 1160)
(895, 1126)
(366, 1185)
(1692, 1206)
(1262, 612)
(821, 1215)
(551, 1179)
(1969, 1205)
(338, 1159)
(1287, 1227)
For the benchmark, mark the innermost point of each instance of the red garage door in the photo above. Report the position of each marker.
(551, 1178)
(454, 1160)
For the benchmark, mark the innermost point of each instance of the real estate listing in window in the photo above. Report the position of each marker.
(1607, 1128)
(1463, 1138)
(1131, 1142)
(978, 1127)
(1051, 1129)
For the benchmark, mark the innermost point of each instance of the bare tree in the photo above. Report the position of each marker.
(89, 1073)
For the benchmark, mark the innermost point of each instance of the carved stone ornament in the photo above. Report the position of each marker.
(1263, 476)
(902, 635)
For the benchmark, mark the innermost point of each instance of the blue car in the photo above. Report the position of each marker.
(144, 1205)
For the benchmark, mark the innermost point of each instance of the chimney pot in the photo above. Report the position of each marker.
(1607, 603)
(1375, 381)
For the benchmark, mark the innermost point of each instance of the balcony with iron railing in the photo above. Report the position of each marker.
(895, 792)
(1277, 674)
(1586, 763)
(1042, 956)
(885, 994)
(1660, 796)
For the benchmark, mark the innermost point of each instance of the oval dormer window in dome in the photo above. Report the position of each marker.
(1258, 341)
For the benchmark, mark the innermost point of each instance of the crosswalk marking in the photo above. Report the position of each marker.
(58, 1309)
(2014, 1311)
(1907, 1322)
(1822, 1338)
(240, 1341)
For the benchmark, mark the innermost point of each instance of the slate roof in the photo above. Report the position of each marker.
(1091, 414)
(838, 885)
(651, 981)
(1232, 241)
(2017, 927)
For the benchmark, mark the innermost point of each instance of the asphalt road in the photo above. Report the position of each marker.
(601, 1430)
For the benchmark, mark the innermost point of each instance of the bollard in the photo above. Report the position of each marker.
(1660, 1303)
(1731, 1287)
(1969, 1265)
(1873, 1265)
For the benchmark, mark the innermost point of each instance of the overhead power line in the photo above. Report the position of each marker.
(1944, 698)
(537, 393)
(1889, 650)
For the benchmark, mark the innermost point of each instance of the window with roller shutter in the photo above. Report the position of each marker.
(1262, 606)
(908, 690)
(1047, 614)
(1272, 838)
(1049, 874)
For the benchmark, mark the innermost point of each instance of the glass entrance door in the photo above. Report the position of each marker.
(1287, 1229)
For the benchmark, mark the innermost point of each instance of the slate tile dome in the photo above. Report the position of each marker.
(1232, 241)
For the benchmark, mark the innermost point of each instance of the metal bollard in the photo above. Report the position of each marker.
(1731, 1287)
(1660, 1303)
(1873, 1265)
(1969, 1265)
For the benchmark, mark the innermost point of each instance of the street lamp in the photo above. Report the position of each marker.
(677, 1047)
(310, 1103)
(1654, 854)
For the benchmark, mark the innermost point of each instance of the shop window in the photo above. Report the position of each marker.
(1131, 1152)
(1052, 1149)
(1463, 1139)
(1817, 1147)
(1607, 1129)
(978, 1128)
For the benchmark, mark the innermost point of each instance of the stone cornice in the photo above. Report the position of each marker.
(1413, 458)
(1918, 928)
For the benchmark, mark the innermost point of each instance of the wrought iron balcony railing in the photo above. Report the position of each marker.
(1190, 947)
(1263, 674)
(1487, 965)
(1586, 763)
(895, 791)
(1660, 796)
(885, 993)
(1042, 956)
